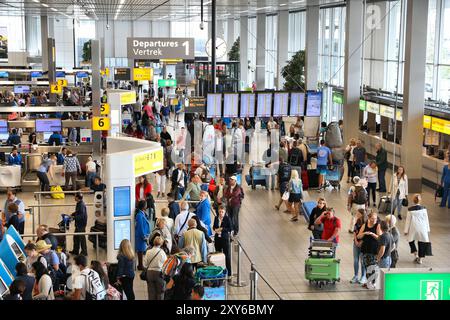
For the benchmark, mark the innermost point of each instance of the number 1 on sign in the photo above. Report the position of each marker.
(186, 44)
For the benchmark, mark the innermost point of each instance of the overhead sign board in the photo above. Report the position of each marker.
(167, 83)
(387, 111)
(338, 98)
(128, 97)
(123, 74)
(362, 105)
(427, 122)
(100, 123)
(373, 107)
(440, 125)
(161, 48)
(142, 74)
(55, 88)
(148, 162)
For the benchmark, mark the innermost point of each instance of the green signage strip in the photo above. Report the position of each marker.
(167, 83)
(417, 286)
(362, 105)
(338, 98)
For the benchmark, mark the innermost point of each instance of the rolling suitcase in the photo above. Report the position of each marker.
(305, 180)
(217, 259)
(313, 179)
(322, 249)
(385, 205)
(322, 271)
(99, 226)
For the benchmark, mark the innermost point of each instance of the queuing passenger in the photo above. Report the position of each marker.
(44, 233)
(22, 274)
(284, 175)
(125, 268)
(142, 231)
(163, 232)
(32, 256)
(385, 246)
(202, 228)
(14, 157)
(137, 110)
(323, 160)
(181, 143)
(61, 156)
(331, 225)
(12, 198)
(16, 290)
(357, 199)
(400, 190)
(382, 165)
(357, 254)
(359, 158)
(371, 174)
(174, 207)
(182, 283)
(222, 229)
(55, 139)
(165, 135)
(283, 152)
(198, 291)
(45, 171)
(161, 178)
(71, 169)
(234, 194)
(196, 239)
(44, 288)
(193, 189)
(13, 210)
(88, 284)
(295, 189)
(417, 228)
(91, 171)
(179, 181)
(165, 212)
(349, 156)
(32, 138)
(445, 184)
(52, 259)
(270, 168)
(203, 211)
(80, 217)
(13, 139)
(317, 229)
(369, 233)
(143, 189)
(153, 263)
(391, 221)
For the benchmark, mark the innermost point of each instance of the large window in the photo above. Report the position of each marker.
(271, 50)
(191, 29)
(251, 49)
(84, 32)
(297, 32)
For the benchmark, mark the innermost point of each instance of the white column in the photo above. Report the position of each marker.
(44, 39)
(243, 32)
(230, 33)
(414, 92)
(220, 29)
(312, 44)
(283, 46)
(352, 67)
(261, 51)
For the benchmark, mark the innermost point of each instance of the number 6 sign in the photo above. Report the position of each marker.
(100, 123)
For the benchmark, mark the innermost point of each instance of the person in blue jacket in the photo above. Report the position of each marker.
(14, 158)
(55, 139)
(13, 139)
(445, 183)
(203, 211)
(142, 232)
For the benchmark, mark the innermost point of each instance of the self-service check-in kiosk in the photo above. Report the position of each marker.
(5, 275)
(11, 253)
(16, 236)
(3, 288)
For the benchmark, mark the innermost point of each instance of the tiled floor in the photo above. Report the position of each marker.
(278, 247)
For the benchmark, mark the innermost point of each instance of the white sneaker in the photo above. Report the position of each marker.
(354, 280)
(363, 280)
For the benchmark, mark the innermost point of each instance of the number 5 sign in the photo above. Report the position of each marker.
(100, 123)
(104, 109)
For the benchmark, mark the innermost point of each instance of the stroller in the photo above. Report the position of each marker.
(63, 226)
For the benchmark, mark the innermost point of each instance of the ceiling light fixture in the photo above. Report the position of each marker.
(53, 9)
(44, 5)
(283, 4)
(37, 1)
(257, 9)
(121, 3)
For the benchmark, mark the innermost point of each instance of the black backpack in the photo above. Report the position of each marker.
(360, 195)
(285, 172)
(145, 119)
(296, 157)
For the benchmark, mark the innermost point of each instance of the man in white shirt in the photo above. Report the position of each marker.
(87, 284)
(181, 221)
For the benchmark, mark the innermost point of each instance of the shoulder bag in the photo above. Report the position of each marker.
(143, 274)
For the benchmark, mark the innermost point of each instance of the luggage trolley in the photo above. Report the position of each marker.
(214, 280)
(334, 176)
(322, 267)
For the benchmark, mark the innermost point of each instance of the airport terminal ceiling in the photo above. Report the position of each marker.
(146, 9)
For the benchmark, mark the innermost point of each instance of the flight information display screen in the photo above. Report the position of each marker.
(48, 125)
(313, 104)
(248, 105)
(122, 201)
(122, 230)
(231, 105)
(264, 106)
(214, 106)
(297, 104)
(280, 104)
(3, 126)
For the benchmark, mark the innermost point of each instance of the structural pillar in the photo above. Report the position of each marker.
(44, 37)
(243, 32)
(283, 46)
(312, 44)
(352, 67)
(51, 67)
(230, 34)
(261, 51)
(95, 54)
(414, 92)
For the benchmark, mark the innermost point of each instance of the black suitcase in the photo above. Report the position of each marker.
(313, 178)
(102, 239)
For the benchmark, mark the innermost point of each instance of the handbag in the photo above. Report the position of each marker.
(405, 202)
(143, 274)
(285, 196)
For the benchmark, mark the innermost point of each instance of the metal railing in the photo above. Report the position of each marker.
(254, 273)
(71, 234)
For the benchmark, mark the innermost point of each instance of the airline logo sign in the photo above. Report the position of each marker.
(161, 48)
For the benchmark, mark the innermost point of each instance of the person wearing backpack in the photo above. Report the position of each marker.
(357, 199)
(87, 285)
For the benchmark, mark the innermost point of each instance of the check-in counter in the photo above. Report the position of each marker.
(10, 176)
(431, 167)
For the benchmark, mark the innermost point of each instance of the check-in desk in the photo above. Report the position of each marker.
(431, 167)
(10, 176)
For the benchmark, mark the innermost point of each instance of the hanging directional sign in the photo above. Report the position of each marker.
(62, 82)
(100, 123)
(55, 88)
(161, 48)
(104, 109)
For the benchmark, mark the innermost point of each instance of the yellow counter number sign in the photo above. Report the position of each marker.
(100, 123)
(62, 82)
(55, 88)
(104, 109)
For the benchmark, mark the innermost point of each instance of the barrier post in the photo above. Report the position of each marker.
(253, 284)
(96, 247)
(238, 282)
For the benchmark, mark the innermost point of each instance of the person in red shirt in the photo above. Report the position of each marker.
(331, 225)
(143, 188)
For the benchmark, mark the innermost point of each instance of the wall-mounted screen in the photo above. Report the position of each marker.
(122, 74)
(22, 89)
(313, 104)
(264, 106)
(122, 201)
(48, 125)
(297, 104)
(231, 105)
(247, 105)
(122, 230)
(214, 106)
(3, 126)
(280, 104)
